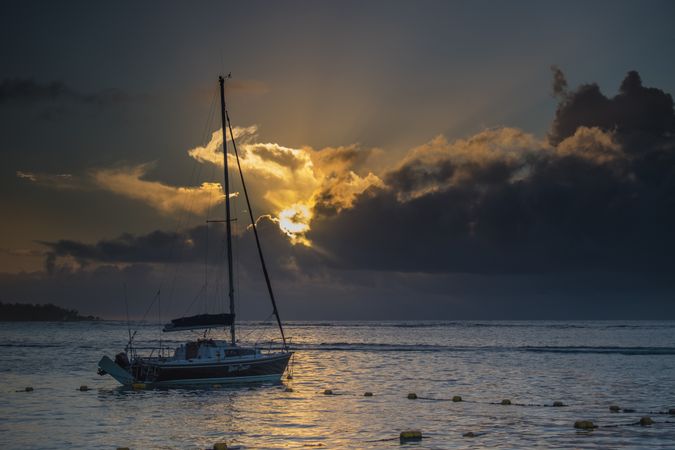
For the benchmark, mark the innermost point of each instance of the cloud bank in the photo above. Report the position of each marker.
(598, 194)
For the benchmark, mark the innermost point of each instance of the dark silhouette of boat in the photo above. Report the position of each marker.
(207, 361)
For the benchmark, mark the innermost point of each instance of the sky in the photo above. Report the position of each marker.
(405, 160)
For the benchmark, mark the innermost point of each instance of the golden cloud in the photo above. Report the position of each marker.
(592, 144)
(441, 164)
(127, 181)
(291, 181)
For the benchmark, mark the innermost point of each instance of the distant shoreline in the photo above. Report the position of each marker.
(26, 312)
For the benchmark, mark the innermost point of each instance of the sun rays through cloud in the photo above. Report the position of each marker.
(290, 183)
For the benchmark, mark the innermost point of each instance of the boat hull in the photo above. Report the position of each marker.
(260, 369)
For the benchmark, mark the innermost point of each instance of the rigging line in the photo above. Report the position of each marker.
(206, 250)
(267, 319)
(261, 331)
(238, 298)
(188, 209)
(183, 220)
(147, 311)
(194, 300)
(209, 118)
(126, 307)
(178, 222)
(214, 274)
(221, 274)
(159, 319)
(180, 250)
(255, 233)
(206, 271)
(184, 217)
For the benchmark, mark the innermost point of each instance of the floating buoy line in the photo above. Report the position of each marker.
(407, 436)
(645, 420)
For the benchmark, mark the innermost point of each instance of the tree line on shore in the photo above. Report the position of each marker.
(15, 312)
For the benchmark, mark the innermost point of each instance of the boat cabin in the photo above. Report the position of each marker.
(211, 349)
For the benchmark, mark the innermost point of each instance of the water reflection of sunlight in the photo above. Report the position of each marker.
(436, 362)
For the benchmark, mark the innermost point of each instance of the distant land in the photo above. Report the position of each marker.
(22, 312)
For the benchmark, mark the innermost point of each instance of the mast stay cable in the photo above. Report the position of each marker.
(255, 233)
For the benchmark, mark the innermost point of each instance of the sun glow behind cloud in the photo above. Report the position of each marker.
(294, 221)
(291, 182)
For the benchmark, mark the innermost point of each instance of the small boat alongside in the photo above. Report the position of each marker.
(207, 361)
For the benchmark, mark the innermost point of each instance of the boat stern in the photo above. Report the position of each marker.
(108, 366)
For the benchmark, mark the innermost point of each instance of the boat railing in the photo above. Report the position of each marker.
(155, 351)
(161, 352)
(274, 344)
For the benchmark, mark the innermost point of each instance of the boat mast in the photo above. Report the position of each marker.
(228, 220)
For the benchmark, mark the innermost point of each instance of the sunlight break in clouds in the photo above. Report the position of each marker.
(167, 199)
(291, 181)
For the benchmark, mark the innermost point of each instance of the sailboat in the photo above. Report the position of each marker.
(207, 361)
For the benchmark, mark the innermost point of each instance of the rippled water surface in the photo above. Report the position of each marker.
(586, 365)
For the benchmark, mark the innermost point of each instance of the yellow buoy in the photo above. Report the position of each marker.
(220, 446)
(138, 386)
(506, 401)
(411, 435)
(584, 425)
(457, 398)
(328, 392)
(646, 421)
(367, 394)
(412, 396)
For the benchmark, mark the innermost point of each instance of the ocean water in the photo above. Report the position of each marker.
(586, 365)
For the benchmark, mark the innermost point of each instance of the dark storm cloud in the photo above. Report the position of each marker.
(559, 84)
(635, 109)
(157, 246)
(26, 91)
(600, 200)
(192, 245)
(554, 221)
(416, 175)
